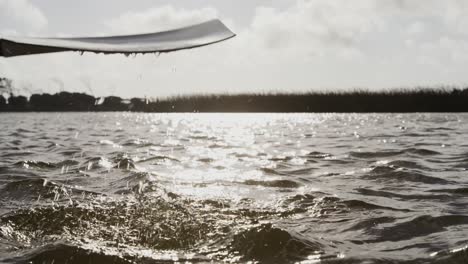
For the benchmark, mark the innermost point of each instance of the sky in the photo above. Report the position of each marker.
(281, 46)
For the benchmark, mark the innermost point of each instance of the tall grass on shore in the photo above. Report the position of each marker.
(397, 100)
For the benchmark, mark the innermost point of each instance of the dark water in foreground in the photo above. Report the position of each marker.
(157, 188)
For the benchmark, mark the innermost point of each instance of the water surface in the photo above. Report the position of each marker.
(272, 188)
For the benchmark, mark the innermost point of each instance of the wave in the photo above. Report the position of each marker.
(272, 171)
(407, 165)
(152, 223)
(419, 226)
(42, 190)
(268, 244)
(358, 204)
(17, 154)
(8, 173)
(66, 253)
(457, 257)
(124, 164)
(376, 154)
(36, 165)
(457, 191)
(288, 172)
(30, 189)
(322, 205)
(274, 184)
(422, 152)
(388, 173)
(371, 223)
(403, 197)
(318, 155)
(433, 129)
(44, 166)
(392, 153)
(159, 158)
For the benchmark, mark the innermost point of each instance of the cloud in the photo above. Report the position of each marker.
(158, 19)
(20, 16)
(316, 24)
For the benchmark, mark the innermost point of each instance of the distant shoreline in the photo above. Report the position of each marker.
(397, 101)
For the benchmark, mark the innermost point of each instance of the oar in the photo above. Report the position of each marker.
(189, 37)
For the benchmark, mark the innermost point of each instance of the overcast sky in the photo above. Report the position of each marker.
(281, 46)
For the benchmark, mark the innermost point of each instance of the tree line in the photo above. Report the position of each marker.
(420, 100)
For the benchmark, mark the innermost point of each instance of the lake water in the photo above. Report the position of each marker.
(273, 188)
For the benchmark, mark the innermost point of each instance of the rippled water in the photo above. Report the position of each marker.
(273, 188)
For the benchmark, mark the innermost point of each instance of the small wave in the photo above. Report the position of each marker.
(41, 190)
(383, 169)
(419, 226)
(269, 244)
(422, 152)
(453, 256)
(284, 159)
(27, 189)
(318, 155)
(463, 165)
(206, 160)
(219, 145)
(414, 135)
(22, 130)
(386, 194)
(458, 191)
(433, 129)
(303, 171)
(137, 143)
(274, 184)
(71, 151)
(272, 171)
(302, 200)
(358, 204)
(287, 172)
(137, 183)
(40, 165)
(96, 163)
(67, 163)
(377, 154)
(407, 164)
(392, 153)
(371, 223)
(17, 154)
(66, 253)
(31, 164)
(449, 257)
(159, 158)
(389, 173)
(9, 173)
(323, 205)
(124, 164)
(202, 137)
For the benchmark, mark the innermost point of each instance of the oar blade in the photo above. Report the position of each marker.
(189, 37)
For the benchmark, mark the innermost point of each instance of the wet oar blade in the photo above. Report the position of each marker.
(184, 38)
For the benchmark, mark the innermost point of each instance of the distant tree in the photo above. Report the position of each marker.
(113, 103)
(465, 92)
(6, 85)
(137, 104)
(2, 101)
(18, 102)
